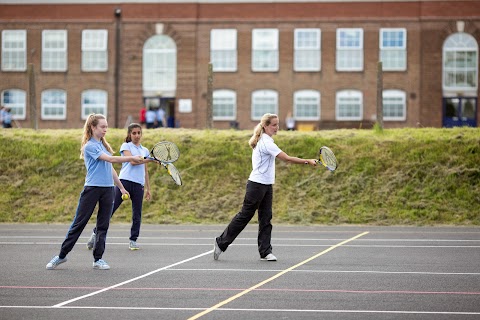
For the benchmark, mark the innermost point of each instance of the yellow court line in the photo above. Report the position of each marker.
(238, 295)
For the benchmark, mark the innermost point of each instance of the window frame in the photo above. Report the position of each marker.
(229, 48)
(316, 50)
(16, 106)
(104, 93)
(100, 65)
(267, 93)
(307, 94)
(22, 51)
(395, 93)
(63, 66)
(225, 94)
(344, 49)
(349, 93)
(271, 53)
(44, 106)
(385, 50)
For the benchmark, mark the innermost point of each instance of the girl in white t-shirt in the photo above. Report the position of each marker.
(259, 190)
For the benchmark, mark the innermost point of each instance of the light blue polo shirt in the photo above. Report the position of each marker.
(133, 173)
(99, 172)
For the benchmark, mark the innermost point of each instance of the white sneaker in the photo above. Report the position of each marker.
(216, 250)
(101, 265)
(91, 242)
(269, 257)
(55, 262)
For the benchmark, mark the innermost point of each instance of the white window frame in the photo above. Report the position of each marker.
(303, 99)
(307, 56)
(223, 50)
(460, 44)
(94, 50)
(100, 105)
(349, 54)
(265, 95)
(18, 106)
(265, 50)
(55, 105)
(351, 95)
(14, 52)
(393, 55)
(54, 59)
(160, 65)
(225, 103)
(398, 97)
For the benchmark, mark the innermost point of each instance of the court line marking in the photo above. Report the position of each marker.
(254, 310)
(131, 280)
(238, 295)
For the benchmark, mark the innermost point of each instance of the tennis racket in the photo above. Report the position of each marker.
(327, 158)
(164, 152)
(173, 172)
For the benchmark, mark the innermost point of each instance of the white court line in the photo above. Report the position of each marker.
(131, 280)
(160, 244)
(255, 310)
(255, 239)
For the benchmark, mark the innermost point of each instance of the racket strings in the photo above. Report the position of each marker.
(165, 152)
(173, 171)
(329, 158)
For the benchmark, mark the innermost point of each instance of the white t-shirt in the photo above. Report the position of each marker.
(263, 160)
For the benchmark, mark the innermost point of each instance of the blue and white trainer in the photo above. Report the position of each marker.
(101, 265)
(55, 262)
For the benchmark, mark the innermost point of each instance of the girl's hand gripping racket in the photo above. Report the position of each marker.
(327, 158)
(164, 152)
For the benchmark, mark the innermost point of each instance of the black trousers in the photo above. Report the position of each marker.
(89, 198)
(257, 196)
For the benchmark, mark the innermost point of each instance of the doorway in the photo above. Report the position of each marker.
(459, 112)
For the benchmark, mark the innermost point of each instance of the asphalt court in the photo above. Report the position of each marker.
(322, 272)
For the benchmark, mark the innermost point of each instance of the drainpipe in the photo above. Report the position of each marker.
(118, 16)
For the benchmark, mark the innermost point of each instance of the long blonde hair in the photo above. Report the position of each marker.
(259, 129)
(92, 120)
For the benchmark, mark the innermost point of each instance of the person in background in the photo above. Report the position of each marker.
(134, 177)
(161, 121)
(143, 113)
(290, 122)
(98, 189)
(150, 117)
(259, 190)
(7, 118)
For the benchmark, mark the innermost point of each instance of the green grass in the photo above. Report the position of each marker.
(385, 177)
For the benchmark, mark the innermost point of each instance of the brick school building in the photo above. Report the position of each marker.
(318, 60)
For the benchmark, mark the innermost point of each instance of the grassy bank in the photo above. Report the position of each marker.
(404, 176)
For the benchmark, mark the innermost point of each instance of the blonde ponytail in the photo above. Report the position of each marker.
(92, 120)
(259, 128)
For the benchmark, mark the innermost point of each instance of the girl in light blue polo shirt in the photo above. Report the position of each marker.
(98, 189)
(134, 178)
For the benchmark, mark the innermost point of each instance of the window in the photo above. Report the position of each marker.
(14, 50)
(394, 105)
(349, 50)
(94, 101)
(306, 105)
(264, 101)
(94, 50)
(307, 53)
(265, 50)
(223, 49)
(54, 50)
(460, 62)
(160, 65)
(349, 105)
(54, 105)
(224, 105)
(393, 49)
(15, 100)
